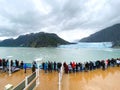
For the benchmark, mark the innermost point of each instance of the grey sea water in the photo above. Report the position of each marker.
(80, 52)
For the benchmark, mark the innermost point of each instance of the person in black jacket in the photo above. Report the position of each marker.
(33, 68)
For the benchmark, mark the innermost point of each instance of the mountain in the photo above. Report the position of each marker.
(40, 39)
(110, 34)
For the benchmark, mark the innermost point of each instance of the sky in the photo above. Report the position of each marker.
(69, 19)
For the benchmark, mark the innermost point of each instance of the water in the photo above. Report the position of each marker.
(80, 52)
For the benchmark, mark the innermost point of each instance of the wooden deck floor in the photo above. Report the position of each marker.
(94, 80)
(47, 80)
(14, 79)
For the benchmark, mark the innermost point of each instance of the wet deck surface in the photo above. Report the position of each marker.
(93, 80)
(48, 81)
(14, 79)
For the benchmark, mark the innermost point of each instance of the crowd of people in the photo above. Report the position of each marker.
(79, 67)
(4, 63)
(91, 65)
(50, 66)
(68, 68)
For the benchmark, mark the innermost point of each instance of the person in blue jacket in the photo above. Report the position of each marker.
(45, 67)
(25, 67)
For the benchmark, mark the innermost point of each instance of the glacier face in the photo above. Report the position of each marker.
(88, 45)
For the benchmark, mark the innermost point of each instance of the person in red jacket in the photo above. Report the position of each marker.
(73, 66)
(66, 68)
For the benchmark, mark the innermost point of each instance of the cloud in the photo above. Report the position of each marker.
(76, 18)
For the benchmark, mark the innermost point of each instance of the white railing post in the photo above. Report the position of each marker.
(9, 67)
(38, 61)
(59, 83)
(37, 81)
(36, 77)
(26, 81)
(60, 77)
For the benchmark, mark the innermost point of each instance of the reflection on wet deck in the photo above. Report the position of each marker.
(48, 81)
(92, 80)
(14, 79)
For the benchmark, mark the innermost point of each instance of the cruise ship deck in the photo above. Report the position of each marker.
(92, 80)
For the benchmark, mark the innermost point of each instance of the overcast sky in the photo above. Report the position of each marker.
(70, 19)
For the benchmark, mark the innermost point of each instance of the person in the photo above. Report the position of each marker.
(11, 63)
(66, 68)
(34, 63)
(69, 68)
(21, 65)
(77, 67)
(33, 68)
(4, 65)
(0, 62)
(73, 66)
(17, 63)
(55, 66)
(49, 66)
(59, 66)
(25, 67)
(118, 62)
(103, 64)
(45, 67)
